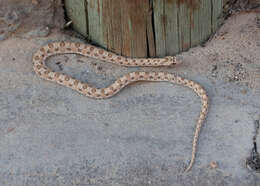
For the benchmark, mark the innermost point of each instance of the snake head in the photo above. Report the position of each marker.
(171, 60)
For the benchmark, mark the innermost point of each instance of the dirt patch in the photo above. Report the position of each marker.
(233, 52)
(232, 6)
(30, 18)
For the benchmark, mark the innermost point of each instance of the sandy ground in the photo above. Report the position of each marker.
(51, 135)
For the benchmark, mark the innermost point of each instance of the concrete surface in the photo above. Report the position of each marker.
(51, 135)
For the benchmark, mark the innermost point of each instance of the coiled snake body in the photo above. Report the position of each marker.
(46, 73)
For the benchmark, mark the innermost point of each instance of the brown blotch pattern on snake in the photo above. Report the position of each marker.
(89, 50)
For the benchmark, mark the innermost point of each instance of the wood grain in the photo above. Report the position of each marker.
(146, 28)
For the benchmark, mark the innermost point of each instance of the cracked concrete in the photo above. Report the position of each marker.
(51, 135)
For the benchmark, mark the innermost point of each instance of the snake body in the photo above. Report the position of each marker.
(40, 68)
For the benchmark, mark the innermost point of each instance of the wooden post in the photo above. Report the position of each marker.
(145, 28)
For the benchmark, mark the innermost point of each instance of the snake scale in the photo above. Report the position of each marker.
(39, 66)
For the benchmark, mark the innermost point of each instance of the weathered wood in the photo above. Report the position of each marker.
(205, 19)
(217, 17)
(145, 28)
(195, 23)
(159, 27)
(150, 33)
(94, 21)
(184, 25)
(112, 28)
(171, 24)
(120, 26)
(76, 12)
(134, 23)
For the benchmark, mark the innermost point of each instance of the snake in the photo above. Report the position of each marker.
(88, 50)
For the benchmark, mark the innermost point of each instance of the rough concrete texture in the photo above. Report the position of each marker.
(242, 4)
(29, 18)
(51, 135)
(233, 6)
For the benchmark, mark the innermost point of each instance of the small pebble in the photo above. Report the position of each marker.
(10, 130)
(99, 68)
(213, 165)
(35, 2)
(244, 92)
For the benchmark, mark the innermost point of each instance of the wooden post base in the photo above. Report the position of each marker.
(145, 28)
